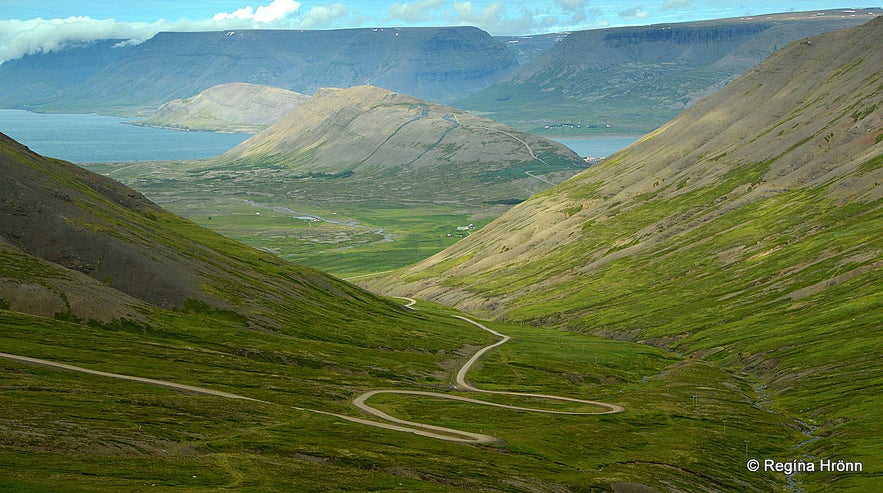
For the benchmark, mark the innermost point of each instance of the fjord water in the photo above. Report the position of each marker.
(600, 146)
(88, 138)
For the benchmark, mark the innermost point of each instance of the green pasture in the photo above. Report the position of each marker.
(343, 234)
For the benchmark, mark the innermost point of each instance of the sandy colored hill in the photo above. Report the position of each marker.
(236, 107)
(377, 141)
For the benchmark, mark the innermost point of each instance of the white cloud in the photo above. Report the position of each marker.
(420, 10)
(634, 13)
(22, 37)
(318, 17)
(264, 14)
(675, 4)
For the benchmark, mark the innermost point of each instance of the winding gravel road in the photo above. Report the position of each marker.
(389, 422)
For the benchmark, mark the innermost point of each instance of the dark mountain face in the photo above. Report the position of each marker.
(526, 47)
(90, 247)
(432, 63)
(33, 79)
(634, 79)
(61, 213)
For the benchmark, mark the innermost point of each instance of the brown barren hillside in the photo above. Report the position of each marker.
(809, 118)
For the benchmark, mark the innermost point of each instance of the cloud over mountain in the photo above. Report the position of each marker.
(26, 29)
(19, 37)
(22, 36)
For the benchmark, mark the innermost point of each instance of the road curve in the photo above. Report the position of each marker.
(416, 428)
(462, 384)
(389, 422)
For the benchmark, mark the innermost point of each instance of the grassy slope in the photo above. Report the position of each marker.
(85, 433)
(745, 233)
(294, 337)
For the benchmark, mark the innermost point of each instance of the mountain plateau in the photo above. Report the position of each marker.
(631, 80)
(441, 64)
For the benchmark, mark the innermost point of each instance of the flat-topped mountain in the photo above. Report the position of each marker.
(634, 79)
(747, 232)
(377, 143)
(440, 64)
(233, 107)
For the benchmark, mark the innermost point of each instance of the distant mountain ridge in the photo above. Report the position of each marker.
(634, 79)
(440, 64)
(233, 107)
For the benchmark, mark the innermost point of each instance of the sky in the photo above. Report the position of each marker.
(33, 26)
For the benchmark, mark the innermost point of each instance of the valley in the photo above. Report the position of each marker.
(403, 175)
(380, 292)
(201, 442)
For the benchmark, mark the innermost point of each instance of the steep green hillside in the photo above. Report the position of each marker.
(233, 107)
(634, 79)
(359, 180)
(92, 225)
(747, 233)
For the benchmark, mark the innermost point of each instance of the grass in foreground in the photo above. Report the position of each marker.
(62, 430)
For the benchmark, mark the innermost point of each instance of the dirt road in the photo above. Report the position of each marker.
(389, 422)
